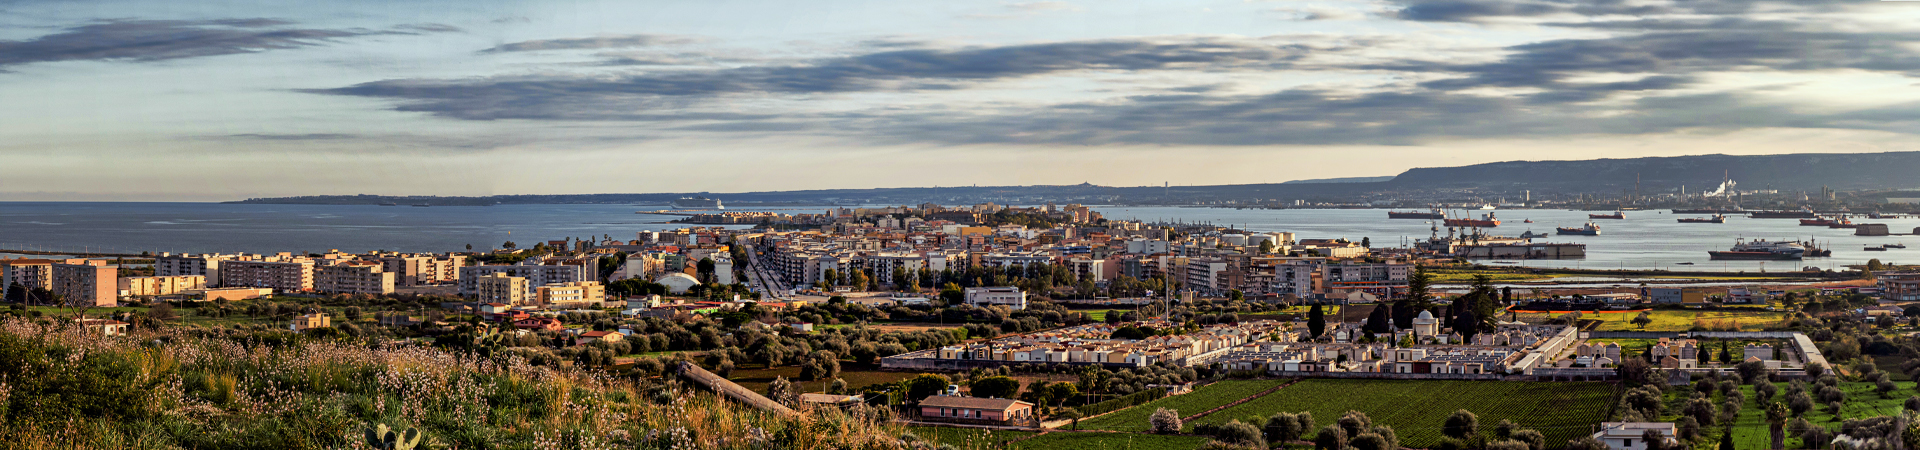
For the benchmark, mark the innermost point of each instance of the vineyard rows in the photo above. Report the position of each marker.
(1201, 399)
(1416, 409)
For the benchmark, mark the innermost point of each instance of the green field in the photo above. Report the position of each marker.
(1750, 429)
(1416, 409)
(1669, 320)
(1201, 399)
(857, 376)
(968, 438)
(1110, 441)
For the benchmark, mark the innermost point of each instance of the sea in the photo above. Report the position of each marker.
(1644, 240)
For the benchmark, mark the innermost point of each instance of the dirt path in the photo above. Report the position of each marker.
(1238, 402)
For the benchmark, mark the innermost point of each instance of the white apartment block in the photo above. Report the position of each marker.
(1010, 297)
(205, 265)
(497, 287)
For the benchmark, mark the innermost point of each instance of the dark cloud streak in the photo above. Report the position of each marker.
(159, 40)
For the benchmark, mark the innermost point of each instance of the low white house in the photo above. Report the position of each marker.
(1631, 435)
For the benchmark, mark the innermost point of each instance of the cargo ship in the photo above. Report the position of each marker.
(697, 203)
(1761, 249)
(1617, 215)
(1717, 218)
(1485, 221)
(1428, 215)
(1842, 222)
(1590, 230)
(1782, 214)
(1703, 211)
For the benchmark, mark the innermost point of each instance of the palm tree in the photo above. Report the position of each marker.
(1777, 414)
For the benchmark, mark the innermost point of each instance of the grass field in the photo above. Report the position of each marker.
(1202, 399)
(1109, 441)
(1666, 320)
(1750, 428)
(1416, 409)
(968, 438)
(857, 376)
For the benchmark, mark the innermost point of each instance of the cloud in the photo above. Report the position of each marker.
(1483, 10)
(1043, 6)
(621, 41)
(581, 97)
(1681, 53)
(159, 40)
(296, 137)
(1316, 14)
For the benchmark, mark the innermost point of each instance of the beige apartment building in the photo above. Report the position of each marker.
(311, 321)
(90, 283)
(160, 285)
(353, 277)
(575, 292)
(26, 274)
(420, 269)
(500, 288)
(286, 275)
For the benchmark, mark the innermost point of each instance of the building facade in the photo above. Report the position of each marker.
(357, 277)
(294, 275)
(92, 283)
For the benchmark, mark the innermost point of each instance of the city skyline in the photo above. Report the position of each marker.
(143, 100)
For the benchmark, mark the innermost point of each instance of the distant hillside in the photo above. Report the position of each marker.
(1342, 180)
(1795, 172)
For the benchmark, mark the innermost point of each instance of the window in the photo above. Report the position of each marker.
(1626, 443)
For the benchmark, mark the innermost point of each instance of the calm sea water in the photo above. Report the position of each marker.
(1644, 240)
(213, 227)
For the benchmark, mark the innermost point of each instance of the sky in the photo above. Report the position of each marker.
(149, 100)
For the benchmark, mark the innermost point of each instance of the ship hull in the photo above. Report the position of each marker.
(1781, 215)
(1579, 232)
(1473, 223)
(1702, 221)
(1413, 215)
(1751, 256)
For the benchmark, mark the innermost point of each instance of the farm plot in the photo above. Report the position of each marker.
(968, 438)
(1110, 441)
(1202, 399)
(1417, 409)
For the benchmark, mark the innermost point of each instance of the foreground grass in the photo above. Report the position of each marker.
(62, 388)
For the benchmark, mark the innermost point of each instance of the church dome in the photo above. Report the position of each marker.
(1425, 315)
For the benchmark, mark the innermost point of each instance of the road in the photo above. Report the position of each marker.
(762, 279)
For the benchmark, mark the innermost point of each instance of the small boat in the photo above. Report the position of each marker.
(1590, 230)
(389, 204)
(1842, 222)
(1527, 221)
(1683, 264)
(1530, 235)
(1617, 215)
(1895, 246)
(422, 205)
(1717, 218)
(1876, 249)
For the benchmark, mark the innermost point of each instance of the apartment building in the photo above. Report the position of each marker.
(282, 274)
(535, 275)
(188, 264)
(1010, 297)
(26, 274)
(354, 277)
(420, 269)
(87, 282)
(160, 285)
(1206, 274)
(591, 292)
(497, 287)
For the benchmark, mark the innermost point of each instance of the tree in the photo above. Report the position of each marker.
(1370, 441)
(1330, 438)
(1777, 414)
(1164, 421)
(1266, 246)
(1242, 433)
(1316, 322)
(839, 387)
(1874, 265)
(926, 385)
(1285, 427)
(1655, 440)
(1643, 319)
(1470, 326)
(1379, 321)
(509, 244)
(859, 280)
(1366, 242)
(1462, 424)
(781, 390)
(1354, 423)
(996, 387)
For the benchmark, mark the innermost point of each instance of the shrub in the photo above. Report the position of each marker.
(1462, 424)
(1285, 427)
(1330, 438)
(1370, 441)
(1164, 421)
(1240, 433)
(1508, 445)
